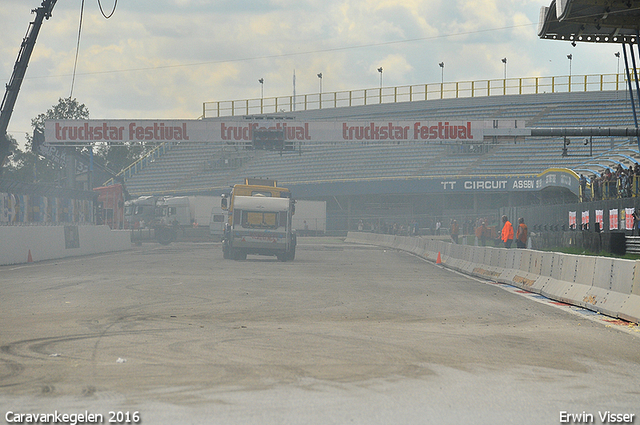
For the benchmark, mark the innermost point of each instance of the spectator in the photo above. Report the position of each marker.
(522, 234)
(596, 188)
(482, 233)
(454, 230)
(507, 232)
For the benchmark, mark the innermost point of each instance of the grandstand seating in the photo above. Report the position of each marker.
(193, 167)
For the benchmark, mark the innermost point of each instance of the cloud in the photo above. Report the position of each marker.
(163, 58)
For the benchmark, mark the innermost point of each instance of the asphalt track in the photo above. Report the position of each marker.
(345, 334)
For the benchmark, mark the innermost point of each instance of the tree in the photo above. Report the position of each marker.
(66, 109)
(19, 166)
(26, 165)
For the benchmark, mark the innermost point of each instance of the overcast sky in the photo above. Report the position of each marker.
(164, 58)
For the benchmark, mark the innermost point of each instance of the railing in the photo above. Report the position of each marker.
(432, 91)
(142, 162)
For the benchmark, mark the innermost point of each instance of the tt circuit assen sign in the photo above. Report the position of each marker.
(550, 178)
(458, 185)
(61, 132)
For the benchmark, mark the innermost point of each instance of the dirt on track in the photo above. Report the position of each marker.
(182, 326)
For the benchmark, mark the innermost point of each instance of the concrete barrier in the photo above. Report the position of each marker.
(607, 285)
(558, 287)
(612, 285)
(582, 282)
(52, 242)
(466, 266)
(511, 257)
(547, 262)
(631, 308)
(522, 264)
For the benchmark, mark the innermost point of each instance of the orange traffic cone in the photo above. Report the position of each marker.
(438, 260)
(29, 257)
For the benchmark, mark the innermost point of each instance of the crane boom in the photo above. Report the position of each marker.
(19, 70)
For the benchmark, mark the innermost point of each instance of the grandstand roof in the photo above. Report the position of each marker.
(593, 21)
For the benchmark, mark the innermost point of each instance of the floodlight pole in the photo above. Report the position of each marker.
(320, 91)
(261, 81)
(504, 61)
(441, 65)
(504, 82)
(380, 71)
(570, 57)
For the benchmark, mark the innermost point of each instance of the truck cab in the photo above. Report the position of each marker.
(260, 222)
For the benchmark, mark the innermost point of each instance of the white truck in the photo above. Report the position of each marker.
(157, 218)
(259, 225)
(176, 210)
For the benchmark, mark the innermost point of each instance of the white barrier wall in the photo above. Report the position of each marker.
(51, 242)
(610, 286)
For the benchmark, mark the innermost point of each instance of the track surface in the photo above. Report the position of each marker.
(344, 334)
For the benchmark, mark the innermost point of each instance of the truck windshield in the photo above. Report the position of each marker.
(259, 220)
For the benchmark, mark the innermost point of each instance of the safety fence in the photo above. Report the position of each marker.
(418, 92)
(609, 286)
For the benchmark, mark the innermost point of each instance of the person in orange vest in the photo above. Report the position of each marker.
(522, 234)
(507, 232)
(454, 230)
(483, 233)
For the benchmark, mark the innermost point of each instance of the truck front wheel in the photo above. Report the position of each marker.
(165, 236)
(291, 254)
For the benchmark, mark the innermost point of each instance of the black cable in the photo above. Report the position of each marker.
(75, 63)
(112, 12)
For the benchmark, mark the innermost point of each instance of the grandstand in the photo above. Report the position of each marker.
(207, 168)
(408, 179)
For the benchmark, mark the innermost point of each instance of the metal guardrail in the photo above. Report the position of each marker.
(412, 93)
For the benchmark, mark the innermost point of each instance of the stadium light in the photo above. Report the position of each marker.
(617, 55)
(320, 78)
(570, 57)
(261, 81)
(504, 61)
(380, 71)
(441, 65)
